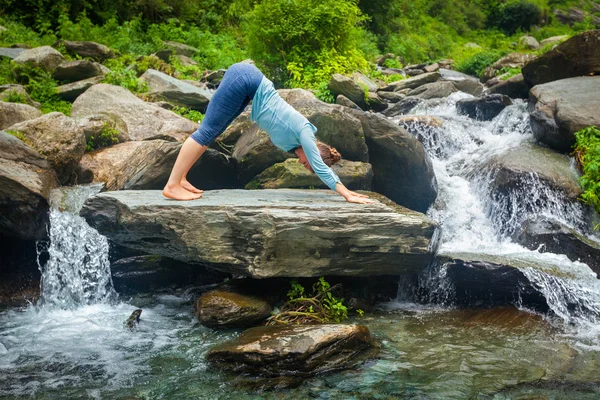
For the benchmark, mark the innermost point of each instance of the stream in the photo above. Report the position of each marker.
(73, 344)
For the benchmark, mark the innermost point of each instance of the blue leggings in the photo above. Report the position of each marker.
(237, 88)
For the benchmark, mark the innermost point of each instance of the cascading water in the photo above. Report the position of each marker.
(475, 220)
(78, 270)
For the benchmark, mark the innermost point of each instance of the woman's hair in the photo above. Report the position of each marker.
(329, 155)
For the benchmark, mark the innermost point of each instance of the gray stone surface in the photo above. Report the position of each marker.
(346, 102)
(403, 106)
(71, 91)
(340, 84)
(561, 108)
(176, 91)
(514, 87)
(269, 233)
(434, 90)
(7, 90)
(44, 57)
(413, 82)
(26, 179)
(144, 120)
(10, 52)
(221, 309)
(13, 113)
(512, 60)
(96, 51)
(553, 40)
(483, 108)
(469, 86)
(529, 42)
(77, 70)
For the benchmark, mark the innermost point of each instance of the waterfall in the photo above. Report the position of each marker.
(77, 272)
(476, 220)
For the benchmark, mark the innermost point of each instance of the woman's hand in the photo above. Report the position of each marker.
(362, 196)
(362, 199)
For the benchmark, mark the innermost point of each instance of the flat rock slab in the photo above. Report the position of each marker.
(270, 233)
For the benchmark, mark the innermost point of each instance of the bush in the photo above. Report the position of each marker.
(587, 153)
(478, 62)
(311, 38)
(41, 88)
(514, 16)
(107, 136)
(125, 76)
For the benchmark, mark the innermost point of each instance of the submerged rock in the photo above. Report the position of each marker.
(559, 109)
(293, 350)
(413, 82)
(484, 108)
(269, 233)
(219, 309)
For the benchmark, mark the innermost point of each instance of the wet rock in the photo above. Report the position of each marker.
(423, 127)
(404, 106)
(10, 89)
(44, 57)
(11, 53)
(512, 60)
(470, 86)
(529, 42)
(176, 91)
(402, 169)
(95, 51)
(26, 180)
(355, 175)
(57, 137)
(293, 350)
(71, 71)
(269, 233)
(147, 165)
(218, 309)
(561, 108)
(577, 56)
(451, 75)
(514, 87)
(412, 83)
(346, 102)
(555, 237)
(435, 90)
(133, 320)
(375, 102)
(144, 121)
(13, 113)
(71, 91)
(484, 108)
(514, 167)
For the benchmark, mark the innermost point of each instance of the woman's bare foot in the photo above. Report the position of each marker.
(189, 187)
(176, 192)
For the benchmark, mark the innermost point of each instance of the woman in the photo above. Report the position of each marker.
(287, 128)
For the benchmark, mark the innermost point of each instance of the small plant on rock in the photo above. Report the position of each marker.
(106, 136)
(192, 115)
(587, 154)
(320, 307)
(12, 96)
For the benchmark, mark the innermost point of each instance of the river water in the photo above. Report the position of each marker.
(73, 343)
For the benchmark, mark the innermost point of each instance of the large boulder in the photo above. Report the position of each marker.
(412, 83)
(77, 70)
(512, 60)
(57, 137)
(483, 108)
(529, 42)
(269, 233)
(71, 91)
(144, 121)
(346, 102)
(514, 87)
(13, 113)
(176, 91)
(340, 84)
(561, 108)
(44, 57)
(403, 106)
(573, 15)
(514, 168)
(219, 309)
(402, 169)
(7, 52)
(26, 179)
(355, 175)
(577, 56)
(469, 86)
(434, 90)
(147, 165)
(297, 351)
(95, 51)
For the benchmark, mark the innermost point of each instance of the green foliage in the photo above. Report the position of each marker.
(507, 72)
(513, 16)
(152, 62)
(107, 136)
(192, 115)
(309, 40)
(12, 96)
(478, 62)
(392, 63)
(324, 94)
(124, 75)
(320, 307)
(19, 135)
(587, 153)
(41, 88)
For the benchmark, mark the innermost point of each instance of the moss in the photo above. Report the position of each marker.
(107, 136)
(20, 136)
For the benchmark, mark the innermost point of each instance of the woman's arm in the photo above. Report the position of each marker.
(350, 196)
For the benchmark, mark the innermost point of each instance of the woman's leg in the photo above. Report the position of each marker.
(234, 93)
